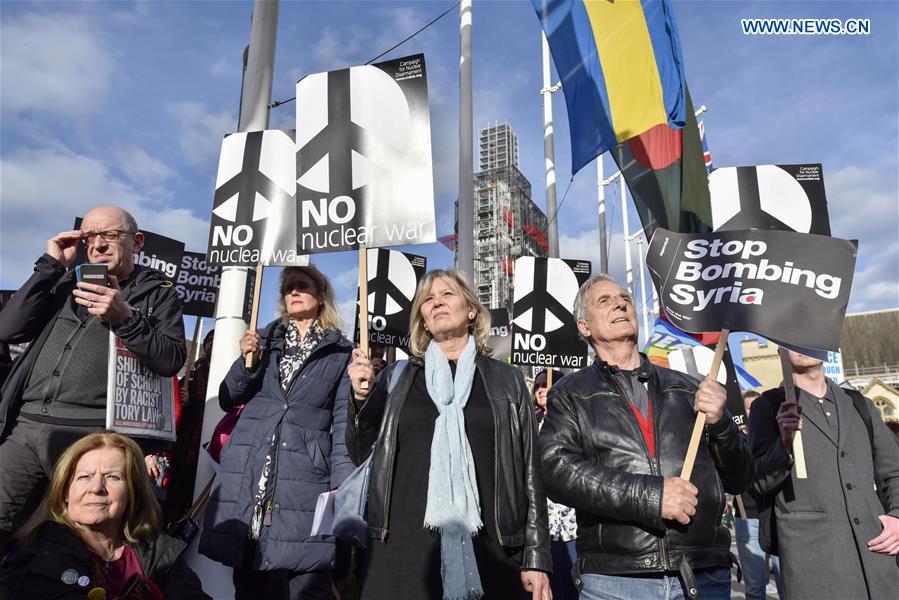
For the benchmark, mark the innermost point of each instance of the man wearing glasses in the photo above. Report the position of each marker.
(56, 391)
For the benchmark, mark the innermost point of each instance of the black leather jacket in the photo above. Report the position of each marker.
(520, 502)
(595, 460)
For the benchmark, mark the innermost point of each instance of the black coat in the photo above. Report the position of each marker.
(36, 570)
(520, 503)
(157, 338)
(594, 459)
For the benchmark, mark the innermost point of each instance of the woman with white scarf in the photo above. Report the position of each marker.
(455, 510)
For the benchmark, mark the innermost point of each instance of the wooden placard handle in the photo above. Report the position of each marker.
(363, 304)
(549, 378)
(254, 313)
(790, 393)
(699, 424)
(191, 357)
(741, 508)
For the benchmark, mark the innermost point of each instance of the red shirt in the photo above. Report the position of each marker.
(118, 574)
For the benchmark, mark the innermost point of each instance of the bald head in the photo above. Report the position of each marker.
(120, 242)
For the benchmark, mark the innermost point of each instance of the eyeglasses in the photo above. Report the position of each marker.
(113, 235)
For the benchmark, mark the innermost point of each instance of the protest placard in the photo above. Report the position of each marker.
(197, 285)
(139, 402)
(500, 340)
(545, 333)
(393, 278)
(787, 197)
(363, 158)
(755, 281)
(254, 210)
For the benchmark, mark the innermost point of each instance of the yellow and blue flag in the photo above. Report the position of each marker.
(621, 68)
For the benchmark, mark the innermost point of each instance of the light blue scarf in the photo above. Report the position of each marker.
(453, 504)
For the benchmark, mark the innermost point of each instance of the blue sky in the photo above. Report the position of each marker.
(127, 102)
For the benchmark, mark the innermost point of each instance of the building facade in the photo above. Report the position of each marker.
(507, 223)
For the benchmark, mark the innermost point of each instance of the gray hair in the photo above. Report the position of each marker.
(130, 222)
(580, 301)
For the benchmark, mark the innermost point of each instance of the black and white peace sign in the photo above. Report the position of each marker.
(545, 289)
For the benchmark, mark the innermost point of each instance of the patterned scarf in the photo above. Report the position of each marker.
(453, 507)
(295, 354)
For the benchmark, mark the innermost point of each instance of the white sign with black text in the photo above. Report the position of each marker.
(363, 161)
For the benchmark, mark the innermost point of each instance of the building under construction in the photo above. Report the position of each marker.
(507, 223)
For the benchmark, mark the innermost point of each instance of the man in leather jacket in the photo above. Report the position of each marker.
(612, 446)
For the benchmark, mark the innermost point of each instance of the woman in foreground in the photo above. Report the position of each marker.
(455, 504)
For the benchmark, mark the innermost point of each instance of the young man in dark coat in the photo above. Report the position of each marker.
(613, 444)
(56, 391)
(834, 536)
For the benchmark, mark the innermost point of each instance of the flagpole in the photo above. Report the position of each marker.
(601, 190)
(465, 206)
(642, 266)
(256, 95)
(627, 244)
(549, 152)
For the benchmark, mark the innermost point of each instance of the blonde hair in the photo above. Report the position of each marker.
(479, 327)
(328, 315)
(142, 513)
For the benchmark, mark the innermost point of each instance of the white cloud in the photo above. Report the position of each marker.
(133, 14)
(33, 210)
(347, 310)
(141, 168)
(202, 131)
(862, 205)
(347, 279)
(221, 67)
(57, 64)
(339, 48)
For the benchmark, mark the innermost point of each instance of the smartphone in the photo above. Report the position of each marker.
(92, 273)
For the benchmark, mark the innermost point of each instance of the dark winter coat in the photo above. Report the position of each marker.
(36, 571)
(823, 523)
(156, 338)
(310, 457)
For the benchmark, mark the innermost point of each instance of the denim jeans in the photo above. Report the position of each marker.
(714, 584)
(561, 582)
(754, 561)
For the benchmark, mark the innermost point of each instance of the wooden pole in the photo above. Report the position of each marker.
(202, 499)
(790, 394)
(699, 425)
(363, 304)
(254, 313)
(741, 508)
(191, 358)
(549, 378)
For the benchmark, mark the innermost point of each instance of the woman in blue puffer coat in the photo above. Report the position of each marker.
(288, 446)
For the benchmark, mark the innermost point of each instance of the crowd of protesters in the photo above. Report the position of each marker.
(478, 486)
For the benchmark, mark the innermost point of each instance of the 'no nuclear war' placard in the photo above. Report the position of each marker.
(544, 332)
